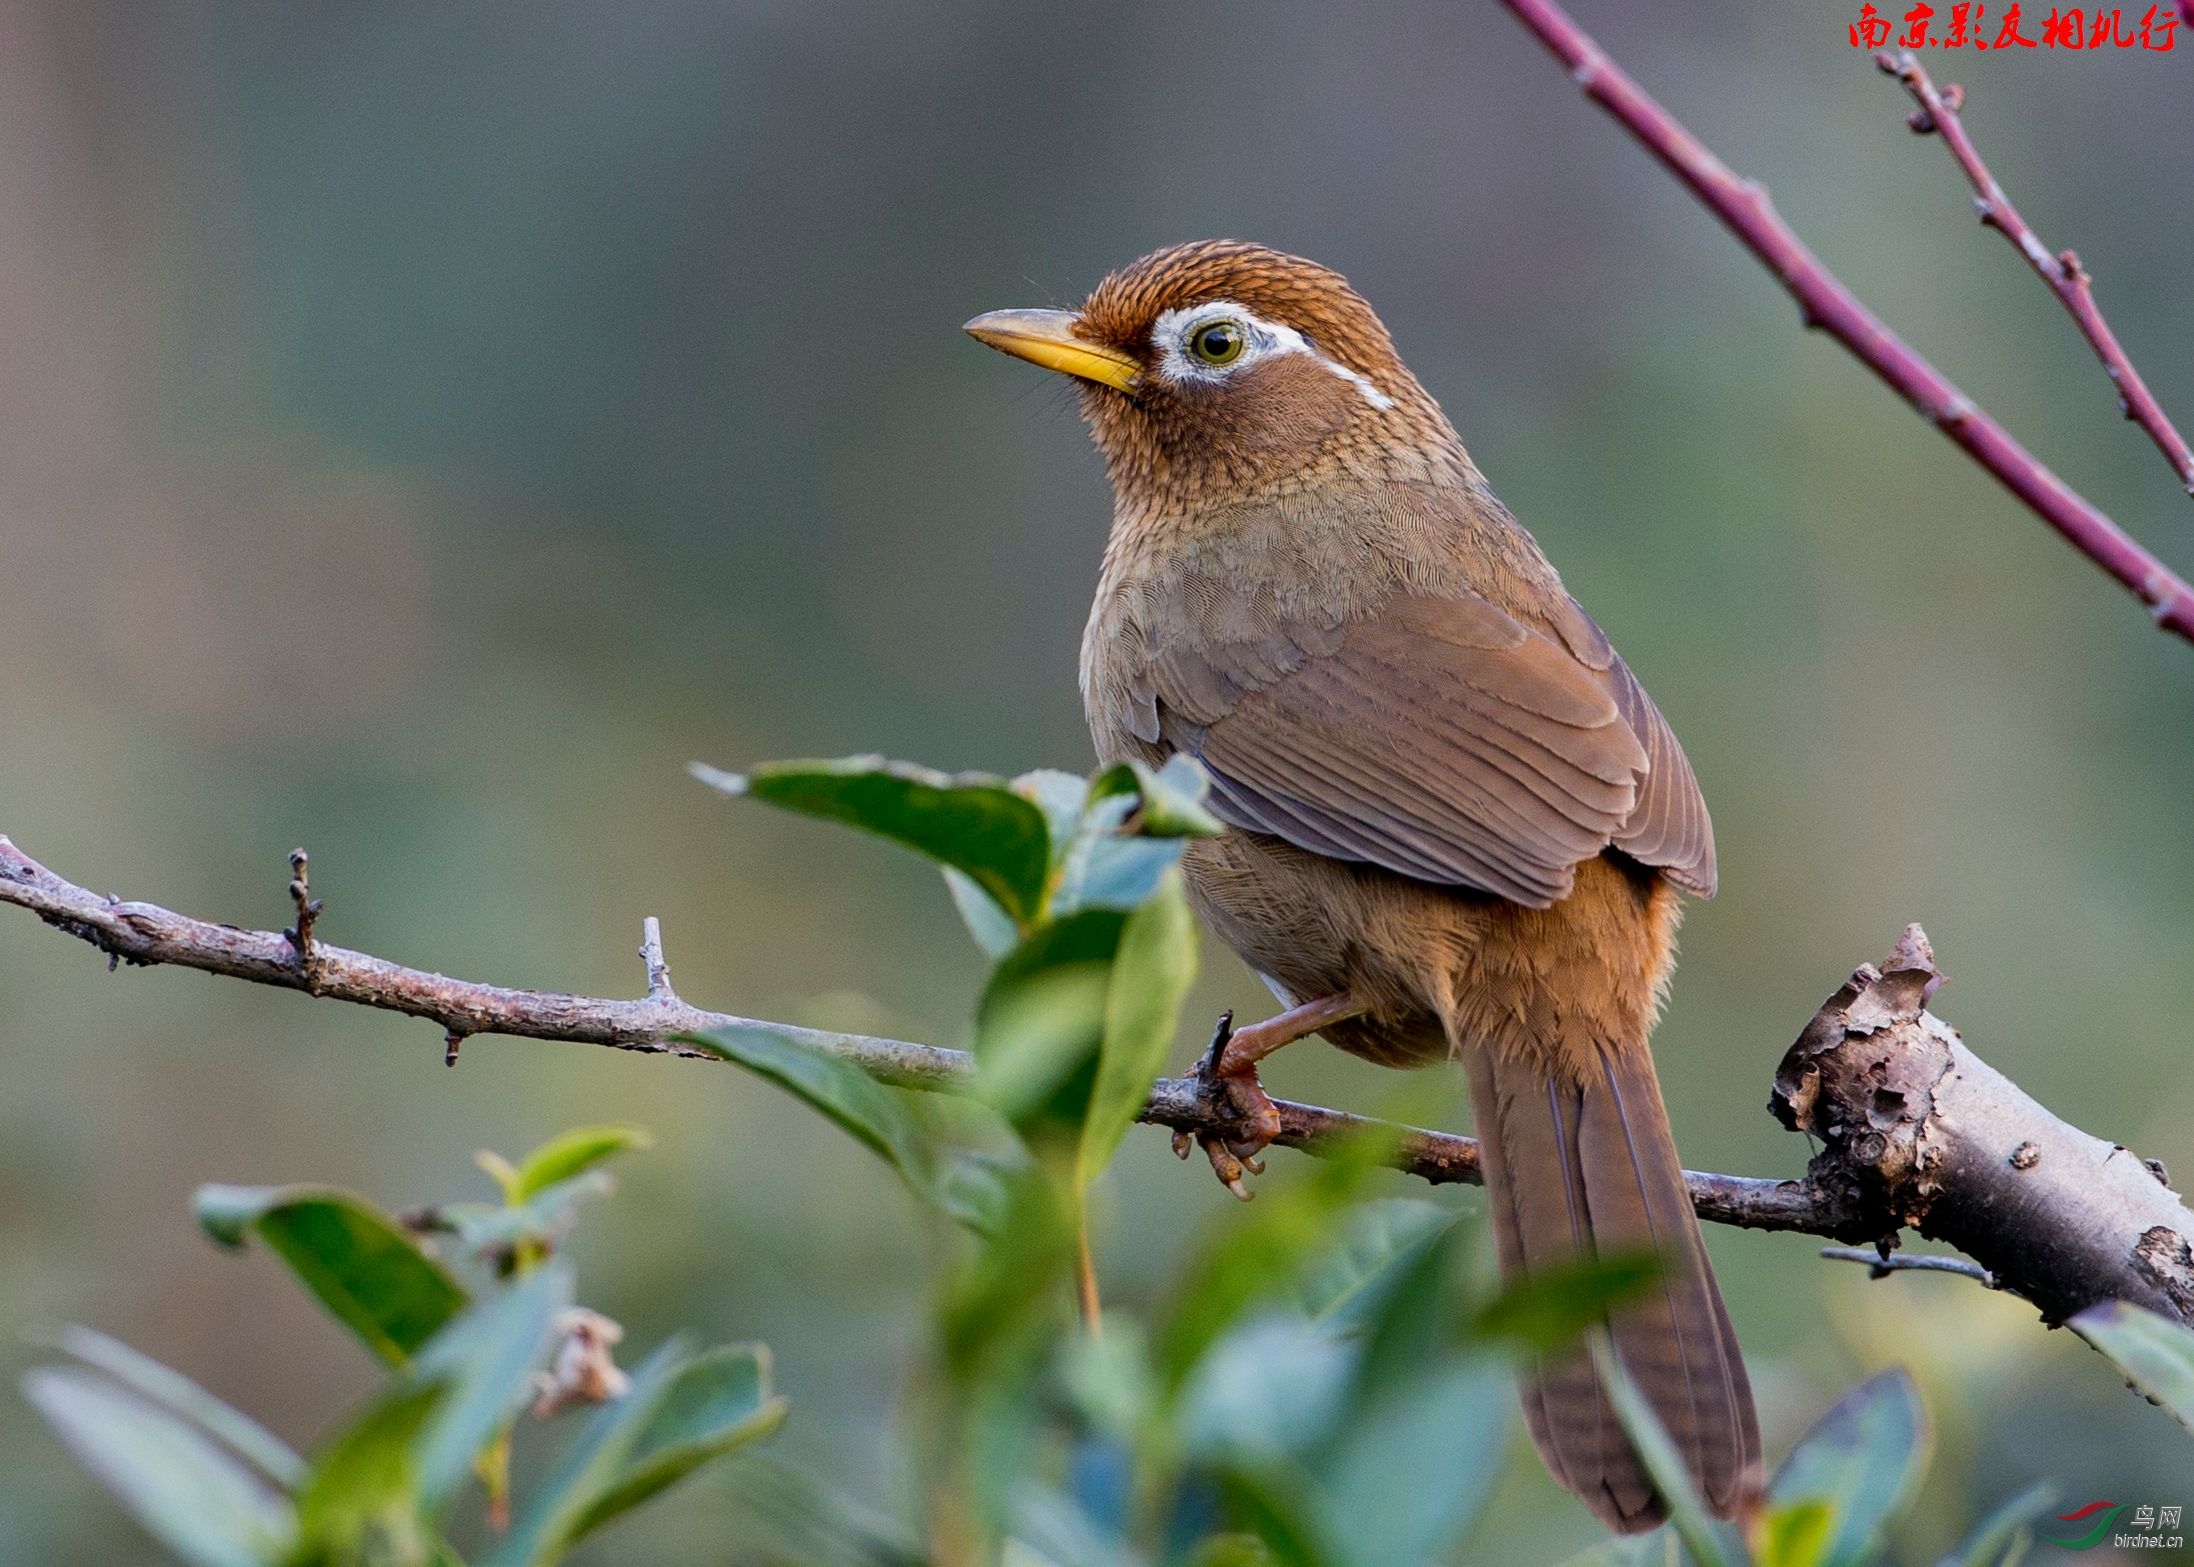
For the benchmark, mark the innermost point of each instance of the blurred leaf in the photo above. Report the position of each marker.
(1228, 1407)
(591, 1467)
(1104, 866)
(991, 926)
(2001, 1538)
(1709, 1542)
(188, 1402)
(1109, 1378)
(1380, 1236)
(372, 1276)
(957, 1184)
(496, 1230)
(976, 823)
(198, 1499)
(1795, 1534)
(1274, 1502)
(484, 1363)
(1863, 1458)
(2156, 1356)
(1171, 798)
(569, 1153)
(714, 1404)
(1151, 975)
(1041, 1019)
(1654, 1549)
(1413, 1468)
(362, 1502)
(1553, 1306)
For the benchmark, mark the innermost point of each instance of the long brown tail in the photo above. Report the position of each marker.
(1578, 1168)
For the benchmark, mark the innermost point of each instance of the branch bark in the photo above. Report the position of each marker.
(1916, 1131)
(1825, 303)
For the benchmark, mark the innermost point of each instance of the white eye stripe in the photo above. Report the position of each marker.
(1175, 329)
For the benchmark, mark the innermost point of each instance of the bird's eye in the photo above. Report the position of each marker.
(1220, 343)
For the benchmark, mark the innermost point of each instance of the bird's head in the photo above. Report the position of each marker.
(1214, 372)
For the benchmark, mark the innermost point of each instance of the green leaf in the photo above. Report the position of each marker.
(976, 823)
(2000, 1539)
(956, 1182)
(1413, 1468)
(1654, 1549)
(716, 1403)
(991, 926)
(1554, 1305)
(1381, 1236)
(188, 1402)
(1151, 974)
(569, 1153)
(497, 1230)
(196, 1497)
(2157, 1356)
(1796, 1534)
(1041, 1019)
(1171, 798)
(484, 1363)
(370, 1274)
(362, 1501)
(1863, 1458)
(1275, 1502)
(590, 1467)
(1709, 1542)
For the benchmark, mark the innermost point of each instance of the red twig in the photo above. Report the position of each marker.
(2067, 279)
(1744, 208)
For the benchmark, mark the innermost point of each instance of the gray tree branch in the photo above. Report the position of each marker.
(1916, 1131)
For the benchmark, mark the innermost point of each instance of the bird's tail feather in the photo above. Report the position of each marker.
(1581, 1168)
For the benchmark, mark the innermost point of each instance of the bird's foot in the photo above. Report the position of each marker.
(1233, 1150)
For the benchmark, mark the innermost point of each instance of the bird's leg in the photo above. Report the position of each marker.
(1230, 1064)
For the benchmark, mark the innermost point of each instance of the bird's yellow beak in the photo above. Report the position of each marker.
(1046, 337)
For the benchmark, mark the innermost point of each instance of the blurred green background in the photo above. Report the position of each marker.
(427, 426)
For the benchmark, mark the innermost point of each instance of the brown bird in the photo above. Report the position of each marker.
(1459, 826)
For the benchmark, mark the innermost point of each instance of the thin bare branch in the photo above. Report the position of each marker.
(2061, 270)
(1824, 302)
(145, 934)
(1881, 1265)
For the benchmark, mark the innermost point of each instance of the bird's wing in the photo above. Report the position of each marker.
(1442, 739)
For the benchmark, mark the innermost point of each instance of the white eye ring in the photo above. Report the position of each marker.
(1176, 333)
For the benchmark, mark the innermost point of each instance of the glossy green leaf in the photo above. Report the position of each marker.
(1710, 1542)
(714, 1404)
(1863, 1458)
(875, 1116)
(1151, 975)
(2157, 1356)
(1381, 1236)
(569, 1153)
(354, 1258)
(2001, 1538)
(189, 1492)
(589, 1469)
(1796, 1534)
(188, 1402)
(978, 824)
